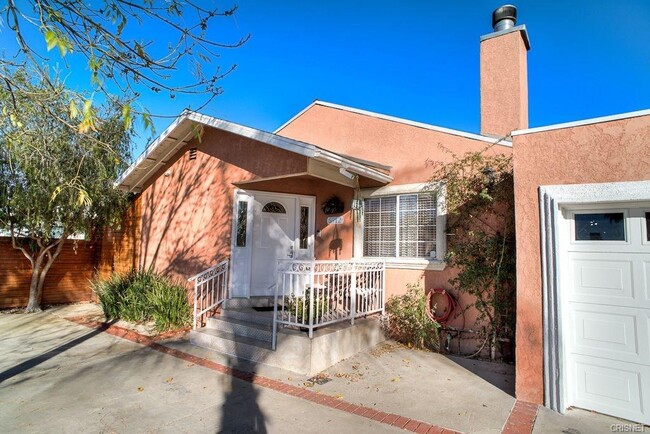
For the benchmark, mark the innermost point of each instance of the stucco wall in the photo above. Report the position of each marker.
(504, 84)
(404, 147)
(334, 241)
(185, 211)
(605, 152)
(186, 208)
(407, 149)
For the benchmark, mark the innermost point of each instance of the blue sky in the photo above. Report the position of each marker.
(419, 60)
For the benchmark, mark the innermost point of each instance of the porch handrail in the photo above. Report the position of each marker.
(210, 289)
(311, 293)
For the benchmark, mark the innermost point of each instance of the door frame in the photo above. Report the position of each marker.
(552, 202)
(241, 263)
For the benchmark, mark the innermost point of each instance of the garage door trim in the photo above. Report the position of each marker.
(551, 199)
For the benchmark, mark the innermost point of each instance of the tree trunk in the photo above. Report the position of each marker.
(40, 268)
(35, 292)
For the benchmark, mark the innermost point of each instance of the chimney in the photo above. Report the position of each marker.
(504, 76)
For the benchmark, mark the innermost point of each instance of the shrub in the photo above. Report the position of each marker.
(141, 296)
(407, 321)
(170, 308)
(299, 307)
(479, 196)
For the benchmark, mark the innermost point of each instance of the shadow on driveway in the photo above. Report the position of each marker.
(35, 361)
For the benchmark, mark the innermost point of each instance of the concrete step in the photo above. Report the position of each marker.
(228, 343)
(248, 314)
(295, 351)
(237, 303)
(262, 332)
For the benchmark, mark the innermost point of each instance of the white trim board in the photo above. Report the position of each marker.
(493, 140)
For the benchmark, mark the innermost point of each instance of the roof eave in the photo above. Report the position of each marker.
(130, 180)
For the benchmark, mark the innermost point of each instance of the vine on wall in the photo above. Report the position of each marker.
(478, 188)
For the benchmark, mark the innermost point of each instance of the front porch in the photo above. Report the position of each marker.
(321, 313)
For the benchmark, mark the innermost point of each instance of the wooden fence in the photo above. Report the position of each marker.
(67, 281)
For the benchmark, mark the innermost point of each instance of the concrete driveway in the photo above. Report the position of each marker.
(58, 376)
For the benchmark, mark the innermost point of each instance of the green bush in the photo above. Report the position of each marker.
(407, 321)
(299, 307)
(141, 296)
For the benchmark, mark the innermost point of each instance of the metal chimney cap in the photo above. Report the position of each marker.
(504, 17)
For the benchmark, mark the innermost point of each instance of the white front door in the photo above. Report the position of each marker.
(605, 320)
(281, 227)
(274, 234)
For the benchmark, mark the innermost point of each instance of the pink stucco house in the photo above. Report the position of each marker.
(332, 209)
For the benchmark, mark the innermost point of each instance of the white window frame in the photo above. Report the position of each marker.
(437, 263)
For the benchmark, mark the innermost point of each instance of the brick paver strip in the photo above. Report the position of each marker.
(408, 424)
(360, 411)
(521, 418)
(412, 425)
(401, 422)
(390, 419)
(380, 416)
(370, 414)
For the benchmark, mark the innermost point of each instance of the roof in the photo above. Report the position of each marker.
(488, 139)
(583, 122)
(183, 129)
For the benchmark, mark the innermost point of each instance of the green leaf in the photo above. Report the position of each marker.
(54, 38)
(83, 198)
(88, 122)
(126, 116)
(63, 48)
(55, 193)
(74, 111)
(51, 39)
(146, 120)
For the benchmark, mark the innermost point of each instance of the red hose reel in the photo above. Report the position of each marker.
(450, 305)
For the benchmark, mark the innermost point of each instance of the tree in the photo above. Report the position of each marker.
(128, 47)
(55, 181)
(479, 196)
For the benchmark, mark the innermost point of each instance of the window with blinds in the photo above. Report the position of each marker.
(400, 226)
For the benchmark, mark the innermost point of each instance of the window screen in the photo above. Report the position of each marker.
(400, 226)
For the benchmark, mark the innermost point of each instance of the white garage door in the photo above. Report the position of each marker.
(605, 293)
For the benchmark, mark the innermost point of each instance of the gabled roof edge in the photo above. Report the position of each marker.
(306, 149)
(416, 124)
(616, 117)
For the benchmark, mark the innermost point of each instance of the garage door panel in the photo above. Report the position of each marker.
(604, 290)
(606, 386)
(611, 332)
(600, 278)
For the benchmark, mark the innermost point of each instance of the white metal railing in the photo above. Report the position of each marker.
(210, 289)
(311, 294)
